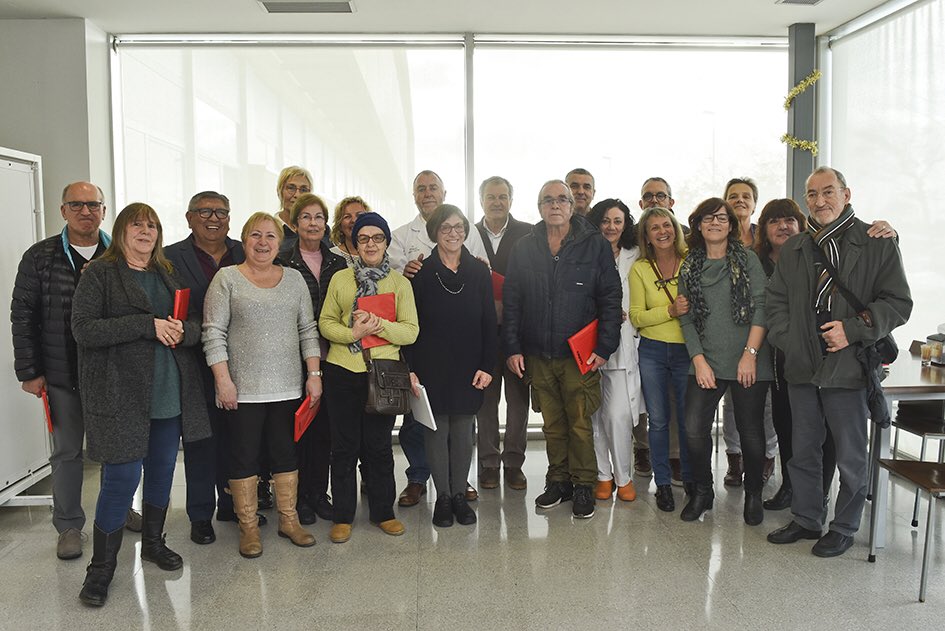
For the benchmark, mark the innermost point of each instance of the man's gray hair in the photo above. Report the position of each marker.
(549, 183)
(669, 189)
(220, 197)
(65, 191)
(826, 169)
(495, 179)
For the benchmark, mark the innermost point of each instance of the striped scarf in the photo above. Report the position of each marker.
(366, 278)
(826, 238)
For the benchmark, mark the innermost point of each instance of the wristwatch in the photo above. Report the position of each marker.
(315, 373)
(753, 351)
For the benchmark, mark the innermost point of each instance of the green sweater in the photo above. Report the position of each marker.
(333, 323)
(723, 341)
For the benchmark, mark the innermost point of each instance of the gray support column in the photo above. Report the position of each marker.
(802, 59)
(471, 192)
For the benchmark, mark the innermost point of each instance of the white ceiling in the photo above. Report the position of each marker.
(761, 18)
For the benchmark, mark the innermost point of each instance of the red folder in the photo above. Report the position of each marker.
(304, 416)
(582, 345)
(383, 305)
(498, 281)
(46, 409)
(181, 302)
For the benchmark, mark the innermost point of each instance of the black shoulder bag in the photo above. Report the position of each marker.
(871, 356)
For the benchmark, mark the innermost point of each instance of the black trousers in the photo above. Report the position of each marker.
(249, 423)
(749, 404)
(205, 467)
(314, 451)
(354, 435)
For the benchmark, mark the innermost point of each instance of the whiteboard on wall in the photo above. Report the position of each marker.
(24, 442)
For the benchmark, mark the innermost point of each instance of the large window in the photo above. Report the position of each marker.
(696, 117)
(887, 90)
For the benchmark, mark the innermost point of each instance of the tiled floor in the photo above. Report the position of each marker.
(631, 566)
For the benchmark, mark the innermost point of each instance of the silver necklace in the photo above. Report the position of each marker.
(447, 288)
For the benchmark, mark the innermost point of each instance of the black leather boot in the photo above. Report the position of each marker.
(152, 539)
(754, 512)
(698, 503)
(101, 569)
(782, 499)
(464, 514)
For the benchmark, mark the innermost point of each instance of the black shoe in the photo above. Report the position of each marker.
(263, 494)
(583, 503)
(231, 516)
(464, 515)
(791, 533)
(153, 547)
(306, 513)
(781, 500)
(443, 511)
(698, 503)
(101, 569)
(754, 512)
(664, 498)
(323, 507)
(201, 532)
(555, 493)
(833, 544)
(689, 488)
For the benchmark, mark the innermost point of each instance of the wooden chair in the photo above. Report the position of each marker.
(929, 477)
(925, 419)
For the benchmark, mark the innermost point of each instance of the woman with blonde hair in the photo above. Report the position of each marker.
(346, 213)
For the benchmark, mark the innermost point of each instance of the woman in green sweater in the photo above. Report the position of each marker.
(724, 331)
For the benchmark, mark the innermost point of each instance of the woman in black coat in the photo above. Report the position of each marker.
(317, 264)
(141, 388)
(453, 356)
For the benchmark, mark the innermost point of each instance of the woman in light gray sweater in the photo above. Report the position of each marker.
(258, 321)
(725, 331)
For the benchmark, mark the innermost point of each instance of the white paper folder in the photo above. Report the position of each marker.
(420, 406)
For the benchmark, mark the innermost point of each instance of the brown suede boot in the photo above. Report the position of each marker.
(733, 477)
(286, 487)
(244, 505)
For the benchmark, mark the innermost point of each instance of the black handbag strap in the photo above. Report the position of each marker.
(847, 294)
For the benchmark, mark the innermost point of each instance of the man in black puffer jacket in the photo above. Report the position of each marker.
(44, 350)
(560, 278)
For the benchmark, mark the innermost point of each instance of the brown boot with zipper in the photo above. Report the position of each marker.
(244, 505)
(286, 491)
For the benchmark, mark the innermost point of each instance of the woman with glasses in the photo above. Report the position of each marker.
(655, 308)
(453, 356)
(355, 433)
(317, 264)
(621, 395)
(292, 182)
(346, 213)
(724, 330)
(257, 326)
(140, 385)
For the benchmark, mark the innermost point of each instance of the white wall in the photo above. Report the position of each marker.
(55, 103)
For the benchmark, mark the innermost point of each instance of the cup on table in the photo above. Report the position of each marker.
(936, 352)
(925, 352)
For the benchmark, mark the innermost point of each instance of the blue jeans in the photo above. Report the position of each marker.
(662, 363)
(412, 442)
(120, 480)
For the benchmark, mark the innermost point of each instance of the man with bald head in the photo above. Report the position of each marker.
(45, 355)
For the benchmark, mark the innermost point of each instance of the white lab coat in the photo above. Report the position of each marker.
(410, 240)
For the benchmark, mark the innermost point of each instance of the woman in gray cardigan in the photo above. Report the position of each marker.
(140, 386)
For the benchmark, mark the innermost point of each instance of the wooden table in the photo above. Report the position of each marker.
(908, 380)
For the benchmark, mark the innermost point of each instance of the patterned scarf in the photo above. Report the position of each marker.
(736, 261)
(826, 237)
(367, 278)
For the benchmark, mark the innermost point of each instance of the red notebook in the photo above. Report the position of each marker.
(304, 416)
(383, 305)
(181, 302)
(582, 345)
(46, 410)
(498, 281)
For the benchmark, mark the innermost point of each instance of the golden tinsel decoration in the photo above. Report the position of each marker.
(803, 145)
(807, 82)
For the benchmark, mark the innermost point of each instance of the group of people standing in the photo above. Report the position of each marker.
(682, 316)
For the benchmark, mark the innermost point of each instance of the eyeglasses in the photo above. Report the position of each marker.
(662, 283)
(319, 218)
(206, 213)
(376, 238)
(459, 229)
(292, 188)
(721, 219)
(561, 200)
(660, 197)
(94, 207)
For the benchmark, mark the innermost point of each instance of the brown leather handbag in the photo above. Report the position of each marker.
(388, 386)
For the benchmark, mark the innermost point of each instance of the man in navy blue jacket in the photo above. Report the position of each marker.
(560, 278)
